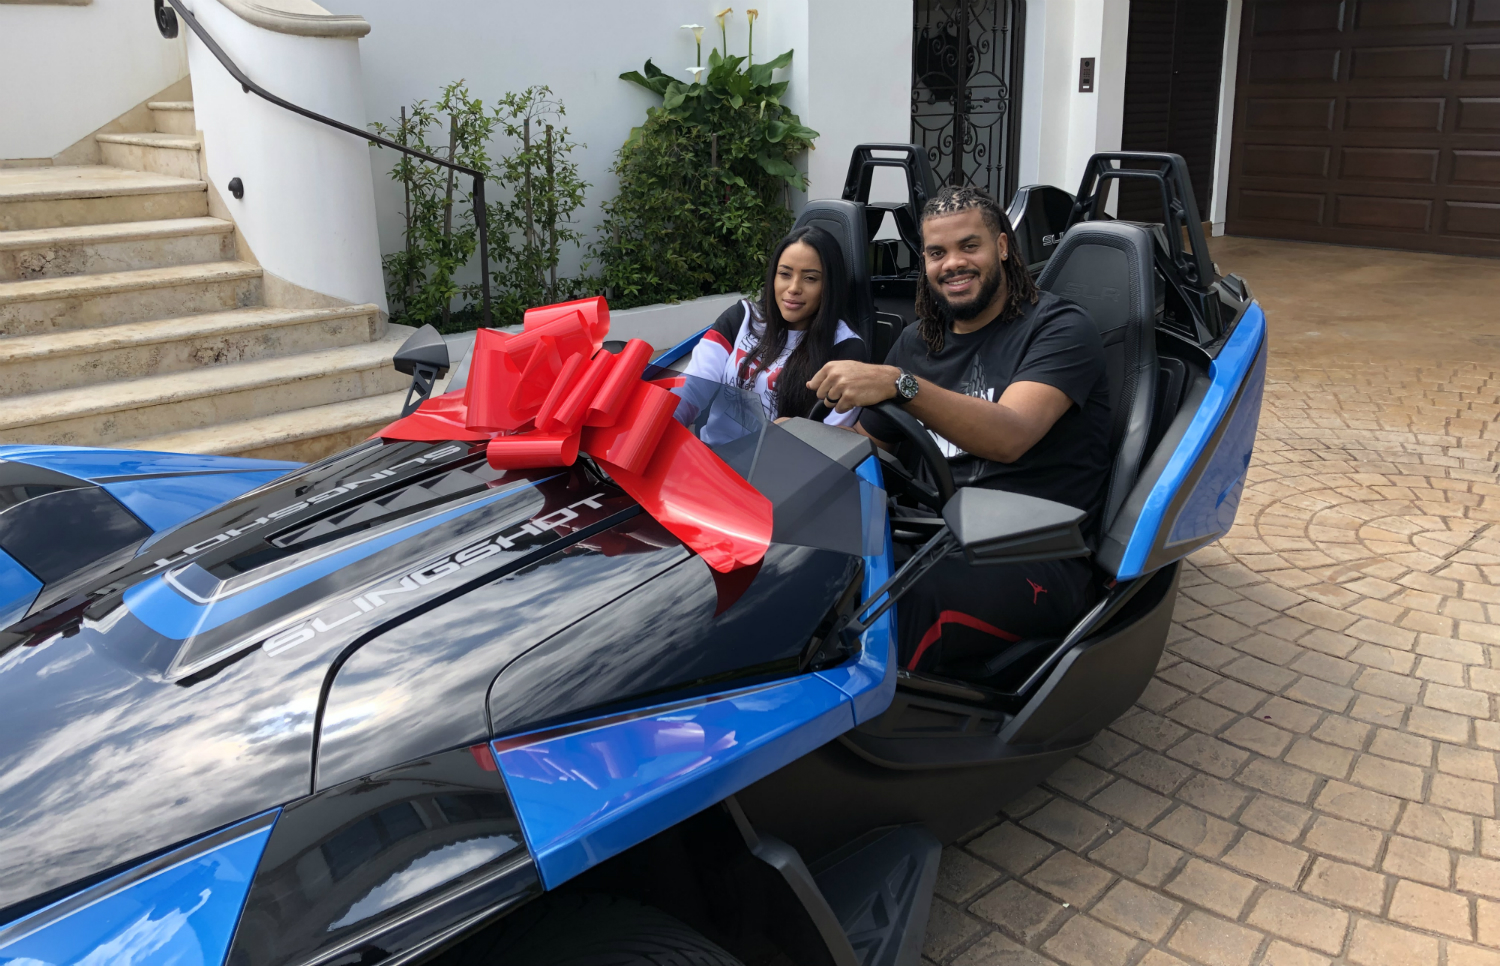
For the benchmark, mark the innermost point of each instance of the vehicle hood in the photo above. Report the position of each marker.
(179, 692)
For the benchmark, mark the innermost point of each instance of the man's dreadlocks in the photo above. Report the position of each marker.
(932, 320)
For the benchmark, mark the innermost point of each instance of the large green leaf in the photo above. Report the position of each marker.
(777, 166)
(760, 74)
(656, 85)
(783, 60)
(739, 86)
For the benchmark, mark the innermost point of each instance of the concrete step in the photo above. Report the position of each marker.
(84, 249)
(182, 401)
(173, 117)
(169, 154)
(305, 435)
(93, 194)
(113, 298)
(90, 357)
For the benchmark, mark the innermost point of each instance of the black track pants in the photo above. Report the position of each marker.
(959, 612)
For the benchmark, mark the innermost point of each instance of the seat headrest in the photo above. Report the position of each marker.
(845, 221)
(1106, 267)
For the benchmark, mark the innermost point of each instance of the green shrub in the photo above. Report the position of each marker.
(532, 193)
(540, 190)
(703, 185)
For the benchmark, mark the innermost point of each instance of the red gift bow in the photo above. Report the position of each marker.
(544, 395)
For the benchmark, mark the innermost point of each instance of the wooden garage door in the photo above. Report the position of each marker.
(1369, 122)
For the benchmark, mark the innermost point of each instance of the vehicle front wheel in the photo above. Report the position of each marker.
(590, 930)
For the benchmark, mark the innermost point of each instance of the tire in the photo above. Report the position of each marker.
(595, 930)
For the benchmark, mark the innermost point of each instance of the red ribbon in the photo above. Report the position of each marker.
(544, 395)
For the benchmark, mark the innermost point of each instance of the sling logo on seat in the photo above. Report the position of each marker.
(1078, 290)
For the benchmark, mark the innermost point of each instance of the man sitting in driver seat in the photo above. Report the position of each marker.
(1011, 383)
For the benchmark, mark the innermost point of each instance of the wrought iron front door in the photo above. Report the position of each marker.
(966, 90)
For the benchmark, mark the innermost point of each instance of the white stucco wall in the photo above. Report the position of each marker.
(1061, 127)
(850, 75)
(65, 72)
(857, 83)
(308, 212)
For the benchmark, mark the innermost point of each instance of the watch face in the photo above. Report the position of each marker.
(907, 385)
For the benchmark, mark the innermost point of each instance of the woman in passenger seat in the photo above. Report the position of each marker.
(773, 345)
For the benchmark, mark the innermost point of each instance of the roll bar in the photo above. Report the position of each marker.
(1179, 207)
(913, 161)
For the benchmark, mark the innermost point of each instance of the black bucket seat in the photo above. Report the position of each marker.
(1106, 267)
(845, 221)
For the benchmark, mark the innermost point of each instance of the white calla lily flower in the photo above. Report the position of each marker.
(697, 29)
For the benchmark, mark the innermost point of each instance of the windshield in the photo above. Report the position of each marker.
(816, 501)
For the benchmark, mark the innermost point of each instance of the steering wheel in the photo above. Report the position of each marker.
(915, 434)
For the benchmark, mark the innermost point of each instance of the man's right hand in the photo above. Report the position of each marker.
(846, 385)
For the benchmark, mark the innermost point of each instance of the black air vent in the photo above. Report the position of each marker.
(20, 482)
(64, 530)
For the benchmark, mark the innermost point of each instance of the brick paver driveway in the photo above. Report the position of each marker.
(1311, 777)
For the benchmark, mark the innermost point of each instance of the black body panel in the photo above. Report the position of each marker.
(951, 762)
(670, 638)
(384, 706)
(383, 864)
(98, 526)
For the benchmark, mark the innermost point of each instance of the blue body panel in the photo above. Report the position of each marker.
(680, 349)
(18, 588)
(164, 502)
(1211, 504)
(181, 915)
(591, 794)
(172, 615)
(1209, 510)
(91, 464)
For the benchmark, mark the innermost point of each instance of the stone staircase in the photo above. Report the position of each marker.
(127, 320)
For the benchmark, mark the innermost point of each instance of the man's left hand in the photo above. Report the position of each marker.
(846, 385)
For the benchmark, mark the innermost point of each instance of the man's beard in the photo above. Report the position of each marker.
(969, 308)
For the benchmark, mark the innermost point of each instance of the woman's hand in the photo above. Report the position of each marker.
(847, 385)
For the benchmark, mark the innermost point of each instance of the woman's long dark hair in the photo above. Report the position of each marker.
(793, 398)
(1021, 290)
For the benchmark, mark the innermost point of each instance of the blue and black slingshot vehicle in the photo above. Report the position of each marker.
(519, 681)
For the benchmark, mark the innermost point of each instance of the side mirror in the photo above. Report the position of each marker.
(995, 527)
(424, 357)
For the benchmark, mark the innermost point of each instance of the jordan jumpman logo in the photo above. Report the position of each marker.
(1036, 588)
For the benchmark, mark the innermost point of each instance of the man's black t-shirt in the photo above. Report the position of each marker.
(1053, 342)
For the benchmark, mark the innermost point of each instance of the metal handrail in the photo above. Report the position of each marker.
(166, 22)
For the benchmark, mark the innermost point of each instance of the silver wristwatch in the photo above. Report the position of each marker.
(906, 387)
